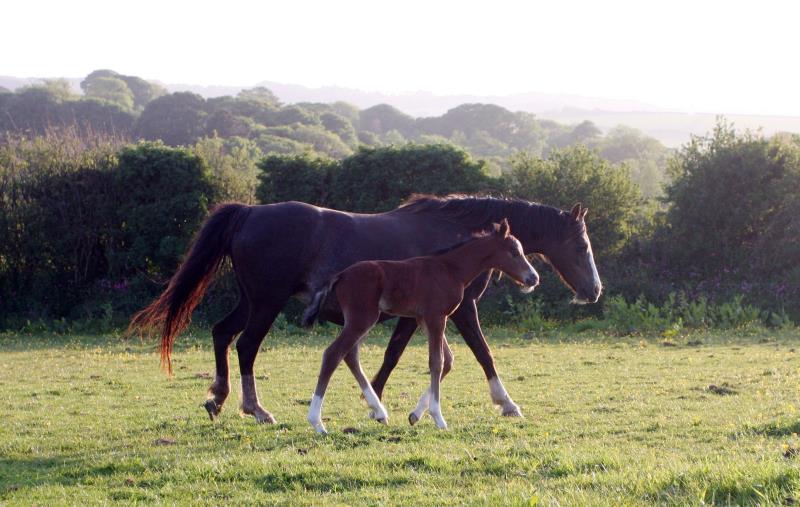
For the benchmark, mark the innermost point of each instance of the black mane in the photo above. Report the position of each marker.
(479, 212)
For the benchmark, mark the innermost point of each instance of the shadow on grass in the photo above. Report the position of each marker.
(321, 482)
(778, 429)
(18, 473)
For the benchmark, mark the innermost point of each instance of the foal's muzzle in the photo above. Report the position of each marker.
(530, 283)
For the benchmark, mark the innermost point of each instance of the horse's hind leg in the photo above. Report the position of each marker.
(378, 412)
(262, 315)
(223, 334)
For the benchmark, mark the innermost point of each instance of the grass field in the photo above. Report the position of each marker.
(609, 421)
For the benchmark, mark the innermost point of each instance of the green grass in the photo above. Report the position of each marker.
(608, 422)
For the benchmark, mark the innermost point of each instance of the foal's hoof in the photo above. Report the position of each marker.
(413, 419)
(512, 412)
(212, 408)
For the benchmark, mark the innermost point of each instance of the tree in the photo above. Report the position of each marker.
(646, 156)
(727, 189)
(304, 178)
(324, 142)
(142, 92)
(585, 133)
(577, 174)
(379, 179)
(177, 119)
(111, 89)
(225, 124)
(260, 94)
(383, 118)
(163, 195)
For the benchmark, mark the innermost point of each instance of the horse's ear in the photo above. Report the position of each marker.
(505, 229)
(583, 213)
(576, 211)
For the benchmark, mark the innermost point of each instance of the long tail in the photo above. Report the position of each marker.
(171, 312)
(312, 311)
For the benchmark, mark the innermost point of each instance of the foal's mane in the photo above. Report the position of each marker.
(461, 243)
(478, 212)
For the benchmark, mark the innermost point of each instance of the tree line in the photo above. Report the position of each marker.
(92, 227)
(133, 108)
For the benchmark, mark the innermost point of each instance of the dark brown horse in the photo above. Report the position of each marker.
(427, 289)
(292, 249)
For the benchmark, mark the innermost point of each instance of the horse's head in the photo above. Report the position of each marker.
(571, 256)
(509, 258)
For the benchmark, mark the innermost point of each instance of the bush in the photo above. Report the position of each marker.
(87, 226)
(379, 179)
(164, 195)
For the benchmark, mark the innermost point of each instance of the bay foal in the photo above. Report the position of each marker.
(428, 289)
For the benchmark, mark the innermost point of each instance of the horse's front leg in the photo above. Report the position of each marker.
(466, 320)
(397, 344)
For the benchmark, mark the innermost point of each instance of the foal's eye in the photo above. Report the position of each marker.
(514, 253)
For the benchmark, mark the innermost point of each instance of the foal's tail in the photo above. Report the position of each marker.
(312, 311)
(171, 312)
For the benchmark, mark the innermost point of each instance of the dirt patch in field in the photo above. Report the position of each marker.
(723, 389)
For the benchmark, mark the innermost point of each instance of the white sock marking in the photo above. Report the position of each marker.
(436, 412)
(422, 405)
(315, 414)
(378, 410)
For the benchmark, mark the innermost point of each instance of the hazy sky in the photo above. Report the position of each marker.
(699, 55)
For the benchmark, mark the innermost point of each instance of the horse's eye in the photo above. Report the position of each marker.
(514, 253)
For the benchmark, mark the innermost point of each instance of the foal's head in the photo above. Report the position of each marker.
(508, 257)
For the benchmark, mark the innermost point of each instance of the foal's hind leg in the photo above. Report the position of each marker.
(378, 412)
(223, 333)
(355, 328)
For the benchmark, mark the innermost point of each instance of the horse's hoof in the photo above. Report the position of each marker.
(265, 418)
(261, 415)
(412, 419)
(512, 412)
(212, 408)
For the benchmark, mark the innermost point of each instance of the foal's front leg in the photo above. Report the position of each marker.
(425, 399)
(435, 328)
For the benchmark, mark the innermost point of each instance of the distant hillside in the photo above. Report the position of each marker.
(670, 128)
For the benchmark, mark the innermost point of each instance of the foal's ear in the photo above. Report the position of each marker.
(576, 211)
(504, 229)
(583, 213)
